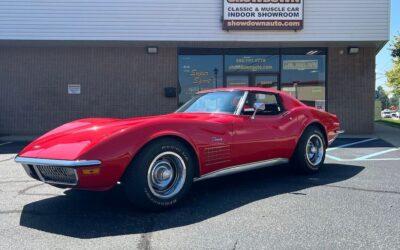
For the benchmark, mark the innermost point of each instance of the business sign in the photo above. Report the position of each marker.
(263, 14)
(74, 89)
(300, 64)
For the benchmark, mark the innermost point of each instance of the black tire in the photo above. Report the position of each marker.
(303, 163)
(145, 170)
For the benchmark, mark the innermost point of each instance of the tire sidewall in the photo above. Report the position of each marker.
(314, 131)
(301, 160)
(140, 167)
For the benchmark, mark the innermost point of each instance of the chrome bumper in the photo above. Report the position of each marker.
(337, 133)
(58, 172)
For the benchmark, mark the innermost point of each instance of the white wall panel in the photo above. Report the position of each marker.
(180, 20)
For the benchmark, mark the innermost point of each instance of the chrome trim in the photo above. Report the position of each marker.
(241, 103)
(337, 133)
(39, 174)
(169, 185)
(242, 168)
(62, 163)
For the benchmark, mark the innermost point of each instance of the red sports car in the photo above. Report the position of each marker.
(156, 159)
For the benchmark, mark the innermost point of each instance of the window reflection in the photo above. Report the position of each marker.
(198, 72)
(303, 76)
(251, 63)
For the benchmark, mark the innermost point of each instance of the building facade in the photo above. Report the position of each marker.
(65, 60)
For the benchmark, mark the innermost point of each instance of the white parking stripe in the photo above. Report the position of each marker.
(377, 153)
(334, 157)
(351, 144)
(5, 143)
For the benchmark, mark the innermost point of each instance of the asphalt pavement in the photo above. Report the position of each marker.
(352, 203)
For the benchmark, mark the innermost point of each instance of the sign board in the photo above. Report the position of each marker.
(263, 14)
(320, 104)
(300, 64)
(74, 89)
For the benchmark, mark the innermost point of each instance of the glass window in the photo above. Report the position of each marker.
(198, 72)
(214, 102)
(237, 80)
(266, 81)
(272, 106)
(303, 76)
(251, 63)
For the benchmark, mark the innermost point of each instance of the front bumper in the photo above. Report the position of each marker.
(56, 172)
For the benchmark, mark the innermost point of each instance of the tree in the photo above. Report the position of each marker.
(394, 101)
(393, 75)
(382, 97)
(396, 47)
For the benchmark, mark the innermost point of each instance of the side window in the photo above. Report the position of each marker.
(272, 106)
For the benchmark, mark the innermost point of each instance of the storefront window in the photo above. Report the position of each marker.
(303, 76)
(199, 72)
(251, 63)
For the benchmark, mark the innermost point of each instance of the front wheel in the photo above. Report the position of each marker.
(310, 152)
(160, 175)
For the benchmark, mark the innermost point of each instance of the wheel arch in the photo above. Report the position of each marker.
(176, 137)
(318, 125)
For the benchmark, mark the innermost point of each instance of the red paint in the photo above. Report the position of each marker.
(242, 140)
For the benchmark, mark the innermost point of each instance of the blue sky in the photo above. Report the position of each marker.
(383, 59)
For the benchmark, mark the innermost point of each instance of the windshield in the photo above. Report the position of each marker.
(214, 102)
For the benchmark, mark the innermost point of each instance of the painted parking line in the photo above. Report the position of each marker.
(368, 157)
(374, 159)
(376, 154)
(351, 144)
(5, 143)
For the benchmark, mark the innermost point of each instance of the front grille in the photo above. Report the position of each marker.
(57, 174)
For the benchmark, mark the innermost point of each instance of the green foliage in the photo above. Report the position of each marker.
(394, 101)
(393, 78)
(382, 96)
(396, 47)
(393, 75)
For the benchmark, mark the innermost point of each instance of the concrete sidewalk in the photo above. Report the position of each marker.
(388, 133)
(383, 131)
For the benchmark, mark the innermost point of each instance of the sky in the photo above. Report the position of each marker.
(383, 59)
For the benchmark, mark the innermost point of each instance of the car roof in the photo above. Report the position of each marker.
(240, 89)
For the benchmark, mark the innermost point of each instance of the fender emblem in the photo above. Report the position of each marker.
(216, 139)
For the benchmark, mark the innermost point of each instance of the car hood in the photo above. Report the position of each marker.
(71, 140)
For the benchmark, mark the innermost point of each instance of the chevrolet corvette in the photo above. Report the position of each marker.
(156, 159)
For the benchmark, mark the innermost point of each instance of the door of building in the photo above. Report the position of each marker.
(252, 79)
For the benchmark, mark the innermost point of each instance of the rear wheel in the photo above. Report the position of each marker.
(160, 175)
(310, 152)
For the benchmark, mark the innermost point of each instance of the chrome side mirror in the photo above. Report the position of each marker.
(258, 106)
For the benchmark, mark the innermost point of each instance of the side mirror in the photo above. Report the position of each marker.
(257, 107)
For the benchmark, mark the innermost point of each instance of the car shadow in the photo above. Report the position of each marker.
(88, 215)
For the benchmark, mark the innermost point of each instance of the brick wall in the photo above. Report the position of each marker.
(351, 84)
(126, 82)
(115, 82)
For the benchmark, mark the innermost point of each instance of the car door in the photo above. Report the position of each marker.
(265, 137)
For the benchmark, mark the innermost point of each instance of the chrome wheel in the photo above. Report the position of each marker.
(166, 175)
(315, 150)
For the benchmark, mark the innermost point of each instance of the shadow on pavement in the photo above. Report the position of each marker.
(87, 215)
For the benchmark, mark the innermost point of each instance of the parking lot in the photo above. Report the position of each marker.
(353, 202)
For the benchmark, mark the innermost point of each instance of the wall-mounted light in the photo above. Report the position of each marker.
(353, 50)
(152, 50)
